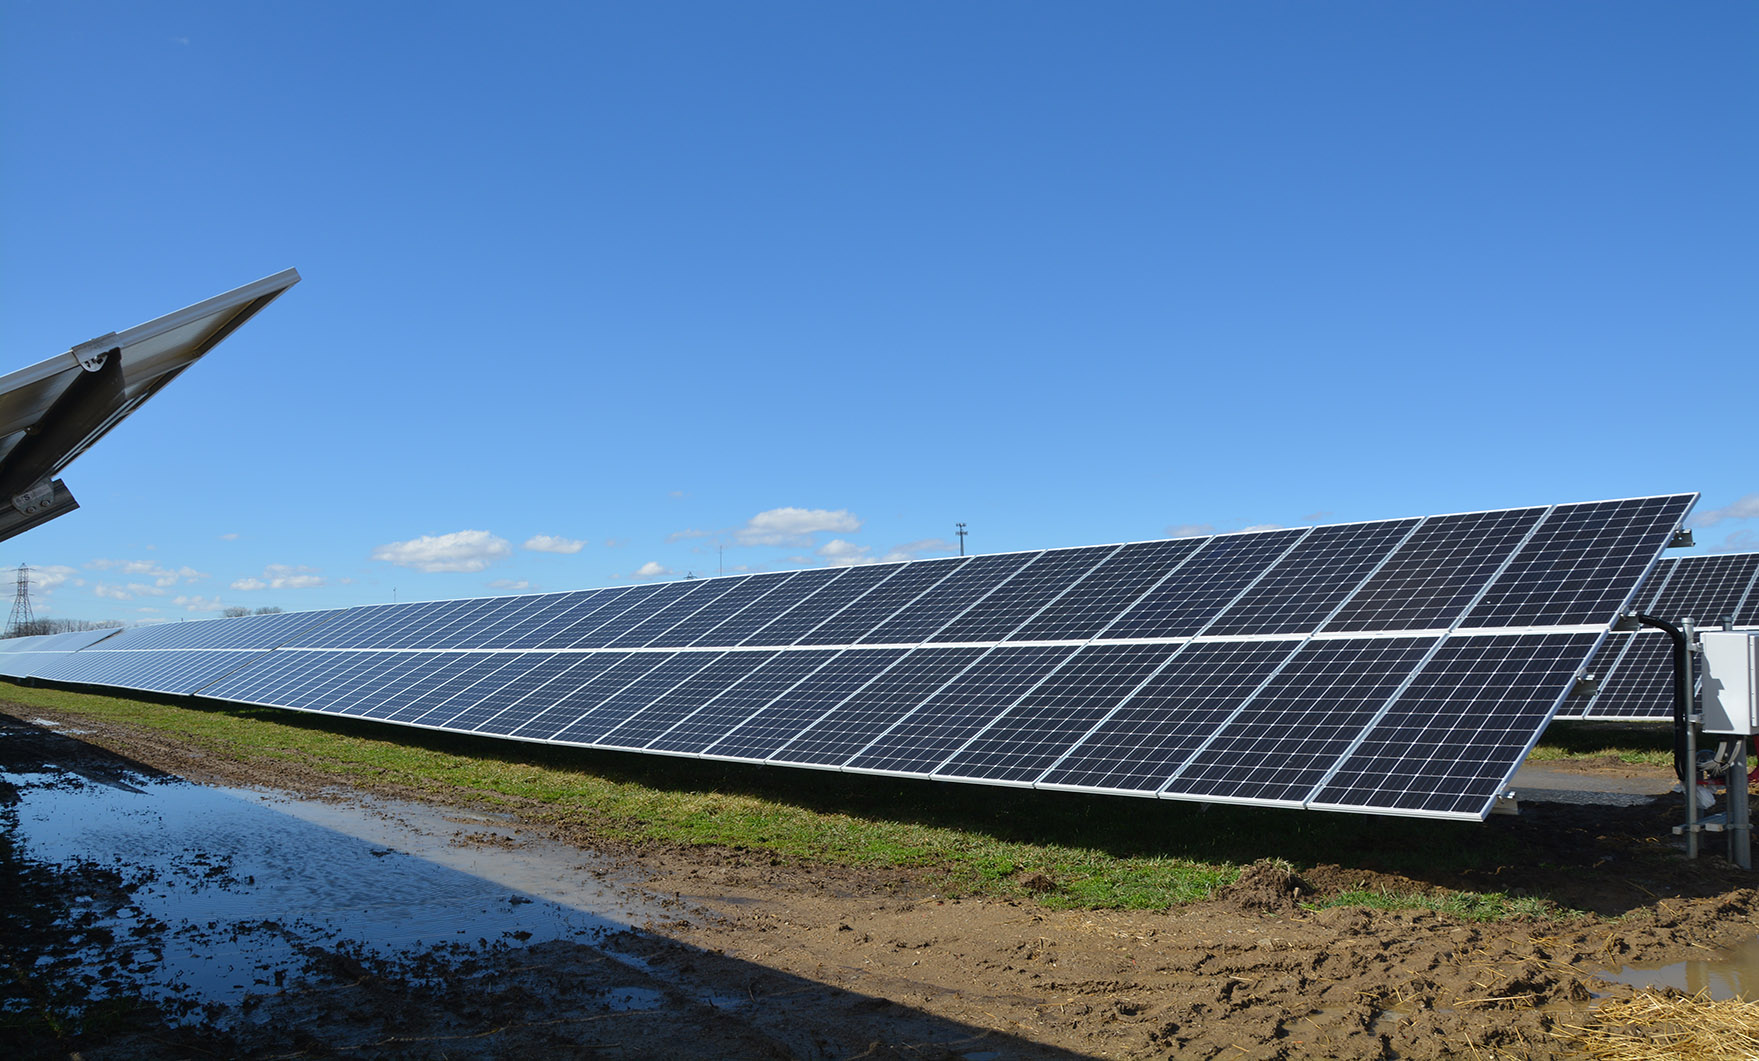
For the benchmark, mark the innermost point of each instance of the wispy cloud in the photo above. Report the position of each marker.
(161, 576)
(549, 543)
(229, 536)
(50, 577)
(1744, 508)
(282, 576)
(513, 585)
(686, 535)
(792, 526)
(920, 547)
(1190, 530)
(198, 604)
(653, 569)
(467, 551)
(839, 553)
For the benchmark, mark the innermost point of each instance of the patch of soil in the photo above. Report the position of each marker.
(767, 958)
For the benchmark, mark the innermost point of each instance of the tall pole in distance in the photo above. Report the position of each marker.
(961, 533)
(22, 617)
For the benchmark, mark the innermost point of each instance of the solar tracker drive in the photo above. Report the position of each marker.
(1397, 666)
(1635, 670)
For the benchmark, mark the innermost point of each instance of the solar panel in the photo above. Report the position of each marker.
(1396, 666)
(1634, 671)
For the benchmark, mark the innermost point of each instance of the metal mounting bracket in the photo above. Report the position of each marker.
(1627, 623)
(1682, 539)
(35, 499)
(1586, 685)
(92, 353)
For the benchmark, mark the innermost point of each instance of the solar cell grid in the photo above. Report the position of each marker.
(848, 726)
(468, 710)
(1020, 599)
(515, 623)
(924, 738)
(567, 673)
(726, 712)
(1429, 580)
(625, 703)
(798, 621)
(1152, 733)
(1457, 734)
(1284, 740)
(685, 699)
(883, 602)
(1582, 564)
(425, 693)
(436, 627)
(948, 599)
(1113, 586)
(595, 613)
(1034, 733)
(1187, 600)
(1706, 589)
(801, 585)
(748, 592)
(581, 700)
(702, 593)
(759, 734)
(1307, 584)
(640, 611)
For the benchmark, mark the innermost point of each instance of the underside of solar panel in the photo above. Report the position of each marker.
(1399, 667)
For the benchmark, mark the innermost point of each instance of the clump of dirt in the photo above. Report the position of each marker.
(1265, 886)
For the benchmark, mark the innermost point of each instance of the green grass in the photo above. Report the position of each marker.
(1636, 743)
(1063, 850)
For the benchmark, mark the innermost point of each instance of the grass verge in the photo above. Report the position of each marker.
(1065, 850)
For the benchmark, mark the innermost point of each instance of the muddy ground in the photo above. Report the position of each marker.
(760, 958)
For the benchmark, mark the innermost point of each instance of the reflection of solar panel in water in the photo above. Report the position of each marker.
(1635, 671)
(1399, 666)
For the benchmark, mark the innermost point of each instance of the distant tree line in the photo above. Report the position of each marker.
(237, 612)
(60, 626)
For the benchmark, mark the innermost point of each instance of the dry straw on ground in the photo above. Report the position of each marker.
(1653, 1026)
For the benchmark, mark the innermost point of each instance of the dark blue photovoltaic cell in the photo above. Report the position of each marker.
(1705, 589)
(946, 601)
(422, 693)
(751, 592)
(323, 681)
(388, 682)
(349, 628)
(1033, 734)
(762, 732)
(578, 701)
(778, 603)
(1306, 585)
(1139, 747)
(621, 705)
(1285, 739)
(1457, 734)
(1634, 677)
(685, 699)
(597, 612)
(1432, 577)
(1119, 581)
(1021, 598)
(524, 672)
(848, 727)
(1581, 564)
(725, 713)
(573, 672)
(703, 594)
(261, 682)
(519, 626)
(438, 626)
(800, 620)
(883, 601)
(927, 736)
(664, 596)
(1186, 602)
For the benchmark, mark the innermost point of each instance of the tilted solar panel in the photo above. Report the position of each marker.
(1396, 666)
(1635, 671)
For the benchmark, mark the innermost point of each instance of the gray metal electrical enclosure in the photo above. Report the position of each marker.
(1730, 681)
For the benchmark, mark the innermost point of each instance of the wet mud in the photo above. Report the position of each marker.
(263, 913)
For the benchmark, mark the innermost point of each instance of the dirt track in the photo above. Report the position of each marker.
(762, 959)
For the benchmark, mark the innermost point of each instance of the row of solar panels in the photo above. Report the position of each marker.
(1403, 666)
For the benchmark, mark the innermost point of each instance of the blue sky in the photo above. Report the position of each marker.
(597, 293)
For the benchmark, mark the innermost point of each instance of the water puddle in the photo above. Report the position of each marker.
(209, 895)
(1733, 974)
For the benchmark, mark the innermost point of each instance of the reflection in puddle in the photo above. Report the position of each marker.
(225, 893)
(1732, 974)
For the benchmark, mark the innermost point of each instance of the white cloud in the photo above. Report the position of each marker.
(229, 536)
(685, 535)
(468, 550)
(790, 526)
(127, 591)
(49, 577)
(549, 543)
(653, 569)
(198, 604)
(161, 576)
(1262, 527)
(844, 554)
(282, 576)
(1190, 530)
(1744, 508)
(513, 584)
(616, 543)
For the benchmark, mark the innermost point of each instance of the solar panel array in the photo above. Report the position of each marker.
(20, 657)
(1635, 670)
(1398, 666)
